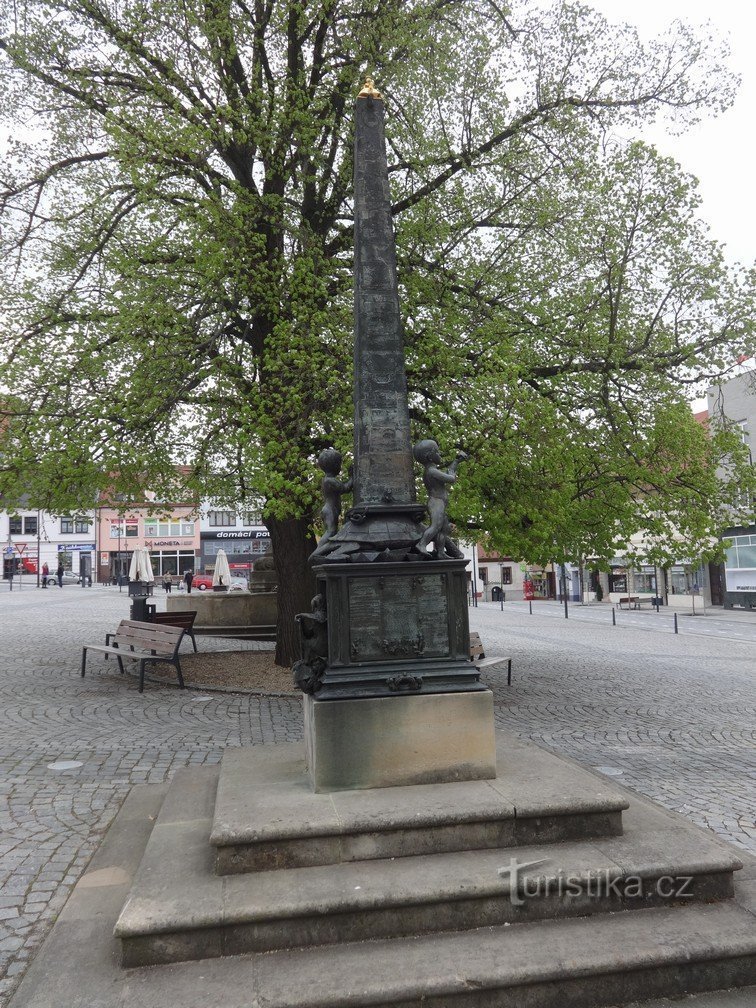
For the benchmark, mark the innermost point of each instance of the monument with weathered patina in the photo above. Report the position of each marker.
(385, 657)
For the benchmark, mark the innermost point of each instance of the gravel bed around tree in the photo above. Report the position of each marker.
(242, 671)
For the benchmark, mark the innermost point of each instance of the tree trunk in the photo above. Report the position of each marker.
(292, 544)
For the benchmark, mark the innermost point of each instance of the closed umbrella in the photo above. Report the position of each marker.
(222, 572)
(145, 567)
(134, 565)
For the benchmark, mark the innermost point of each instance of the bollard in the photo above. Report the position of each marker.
(614, 617)
(676, 630)
(530, 608)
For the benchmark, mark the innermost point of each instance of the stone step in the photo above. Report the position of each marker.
(592, 962)
(281, 823)
(179, 909)
(576, 963)
(745, 997)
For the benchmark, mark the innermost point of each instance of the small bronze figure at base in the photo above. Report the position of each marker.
(332, 488)
(437, 484)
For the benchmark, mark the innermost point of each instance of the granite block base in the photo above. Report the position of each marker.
(395, 741)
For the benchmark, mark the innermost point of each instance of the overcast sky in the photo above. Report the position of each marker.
(719, 152)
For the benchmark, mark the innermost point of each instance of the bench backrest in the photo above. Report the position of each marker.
(163, 640)
(476, 645)
(177, 619)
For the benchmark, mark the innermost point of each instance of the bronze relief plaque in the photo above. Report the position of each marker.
(397, 618)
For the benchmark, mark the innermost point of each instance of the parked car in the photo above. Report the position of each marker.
(69, 578)
(202, 582)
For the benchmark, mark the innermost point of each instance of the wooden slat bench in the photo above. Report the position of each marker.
(631, 601)
(492, 662)
(142, 642)
(478, 655)
(184, 619)
(476, 647)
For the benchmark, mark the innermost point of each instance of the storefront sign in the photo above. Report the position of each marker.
(77, 547)
(237, 534)
(155, 543)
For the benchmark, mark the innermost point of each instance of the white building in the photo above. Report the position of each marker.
(32, 538)
(241, 534)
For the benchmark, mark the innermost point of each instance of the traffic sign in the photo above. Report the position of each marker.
(20, 548)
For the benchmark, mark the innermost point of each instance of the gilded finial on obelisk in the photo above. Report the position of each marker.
(369, 89)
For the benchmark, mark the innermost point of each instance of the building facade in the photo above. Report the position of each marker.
(170, 533)
(241, 534)
(32, 538)
(734, 403)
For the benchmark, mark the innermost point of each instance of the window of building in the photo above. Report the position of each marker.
(483, 571)
(644, 582)
(23, 526)
(221, 518)
(742, 553)
(618, 580)
(680, 582)
(127, 529)
(236, 549)
(70, 526)
(173, 563)
(154, 527)
(252, 517)
(506, 575)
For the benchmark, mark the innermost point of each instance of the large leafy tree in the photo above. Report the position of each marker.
(176, 252)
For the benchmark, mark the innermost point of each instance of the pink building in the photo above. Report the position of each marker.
(170, 532)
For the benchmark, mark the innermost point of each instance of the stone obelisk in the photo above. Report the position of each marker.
(390, 694)
(384, 470)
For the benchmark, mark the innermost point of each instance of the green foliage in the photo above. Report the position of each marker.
(176, 273)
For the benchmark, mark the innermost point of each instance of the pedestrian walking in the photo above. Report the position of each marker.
(188, 578)
(59, 573)
(45, 574)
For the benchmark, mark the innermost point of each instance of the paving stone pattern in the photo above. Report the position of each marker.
(674, 714)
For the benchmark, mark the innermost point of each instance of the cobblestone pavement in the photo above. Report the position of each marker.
(674, 714)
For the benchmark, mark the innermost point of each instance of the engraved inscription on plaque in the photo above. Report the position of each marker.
(395, 618)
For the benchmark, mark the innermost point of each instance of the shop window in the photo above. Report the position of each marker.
(644, 582)
(618, 581)
(679, 582)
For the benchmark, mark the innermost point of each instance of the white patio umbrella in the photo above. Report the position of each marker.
(146, 573)
(134, 565)
(140, 568)
(222, 572)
